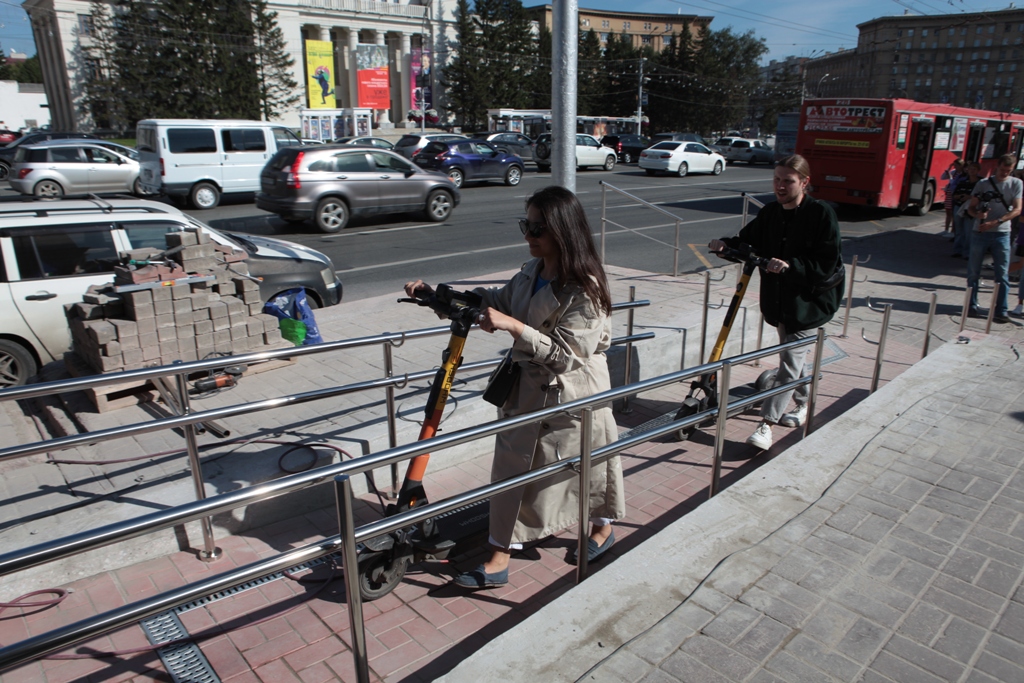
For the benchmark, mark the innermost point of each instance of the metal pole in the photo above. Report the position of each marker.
(350, 564)
(881, 348)
(963, 311)
(675, 257)
(604, 217)
(849, 296)
(704, 316)
(564, 48)
(210, 551)
(640, 97)
(389, 393)
(586, 420)
(928, 326)
(812, 396)
(760, 334)
(992, 307)
(629, 352)
(746, 203)
(723, 415)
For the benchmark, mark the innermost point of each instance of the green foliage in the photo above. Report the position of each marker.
(464, 77)
(278, 91)
(591, 80)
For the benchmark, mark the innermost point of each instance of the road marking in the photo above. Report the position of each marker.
(339, 235)
(878, 224)
(700, 256)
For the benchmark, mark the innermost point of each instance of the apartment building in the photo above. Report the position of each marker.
(645, 30)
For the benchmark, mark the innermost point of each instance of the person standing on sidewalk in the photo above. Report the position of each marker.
(995, 202)
(962, 223)
(802, 285)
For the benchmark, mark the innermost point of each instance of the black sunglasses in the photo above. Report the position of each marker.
(532, 229)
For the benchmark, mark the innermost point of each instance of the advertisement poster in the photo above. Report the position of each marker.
(320, 67)
(845, 119)
(959, 135)
(373, 77)
(422, 93)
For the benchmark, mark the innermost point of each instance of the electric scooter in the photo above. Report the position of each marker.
(704, 390)
(384, 559)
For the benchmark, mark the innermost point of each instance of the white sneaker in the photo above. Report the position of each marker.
(1019, 311)
(762, 437)
(795, 418)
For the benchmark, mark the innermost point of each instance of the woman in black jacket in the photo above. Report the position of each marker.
(800, 236)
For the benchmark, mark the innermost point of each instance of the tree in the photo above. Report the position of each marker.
(6, 72)
(539, 79)
(622, 66)
(591, 82)
(278, 91)
(97, 60)
(505, 33)
(463, 77)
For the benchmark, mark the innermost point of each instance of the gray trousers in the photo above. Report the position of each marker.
(792, 366)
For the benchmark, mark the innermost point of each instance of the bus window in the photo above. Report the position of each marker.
(998, 141)
(974, 137)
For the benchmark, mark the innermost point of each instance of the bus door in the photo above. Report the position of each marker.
(975, 141)
(919, 158)
(1018, 146)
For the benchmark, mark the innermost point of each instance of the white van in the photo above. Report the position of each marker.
(203, 159)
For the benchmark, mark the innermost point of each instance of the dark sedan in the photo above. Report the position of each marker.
(627, 146)
(469, 161)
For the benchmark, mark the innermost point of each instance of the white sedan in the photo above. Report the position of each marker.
(681, 158)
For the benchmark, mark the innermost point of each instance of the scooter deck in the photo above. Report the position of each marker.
(460, 526)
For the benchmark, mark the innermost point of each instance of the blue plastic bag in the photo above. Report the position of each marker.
(295, 317)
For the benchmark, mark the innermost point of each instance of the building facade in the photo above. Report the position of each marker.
(645, 30)
(62, 27)
(969, 59)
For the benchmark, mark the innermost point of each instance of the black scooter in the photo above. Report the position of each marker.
(704, 390)
(384, 559)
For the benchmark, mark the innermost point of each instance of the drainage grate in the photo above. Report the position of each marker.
(185, 662)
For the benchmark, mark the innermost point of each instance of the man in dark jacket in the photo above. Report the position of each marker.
(800, 287)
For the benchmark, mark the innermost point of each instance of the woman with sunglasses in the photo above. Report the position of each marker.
(556, 309)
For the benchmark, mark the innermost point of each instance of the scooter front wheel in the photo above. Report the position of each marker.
(764, 382)
(691, 406)
(380, 573)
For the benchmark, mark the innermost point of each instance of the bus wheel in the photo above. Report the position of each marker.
(926, 202)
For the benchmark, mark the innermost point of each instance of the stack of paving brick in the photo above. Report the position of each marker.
(199, 301)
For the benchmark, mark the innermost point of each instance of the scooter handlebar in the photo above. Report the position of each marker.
(743, 254)
(447, 302)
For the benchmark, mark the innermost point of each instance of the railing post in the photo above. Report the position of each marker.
(723, 415)
(604, 217)
(928, 326)
(849, 296)
(350, 565)
(210, 551)
(389, 393)
(879, 358)
(586, 422)
(812, 395)
(992, 307)
(704, 316)
(965, 309)
(629, 351)
(760, 334)
(675, 257)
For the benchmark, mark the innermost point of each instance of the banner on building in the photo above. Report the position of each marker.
(372, 76)
(320, 67)
(422, 71)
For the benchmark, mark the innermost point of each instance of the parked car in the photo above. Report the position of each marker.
(331, 183)
(409, 145)
(512, 143)
(466, 161)
(366, 140)
(7, 153)
(59, 248)
(8, 136)
(201, 159)
(751, 151)
(589, 152)
(681, 158)
(722, 144)
(59, 167)
(678, 137)
(628, 146)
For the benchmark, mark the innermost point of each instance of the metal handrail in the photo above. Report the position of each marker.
(68, 546)
(91, 627)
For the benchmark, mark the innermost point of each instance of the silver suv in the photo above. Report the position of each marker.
(409, 145)
(331, 183)
(59, 167)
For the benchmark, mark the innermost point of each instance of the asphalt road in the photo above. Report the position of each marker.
(376, 255)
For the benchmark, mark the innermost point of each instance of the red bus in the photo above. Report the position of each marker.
(891, 153)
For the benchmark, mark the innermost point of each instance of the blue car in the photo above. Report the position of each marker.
(467, 161)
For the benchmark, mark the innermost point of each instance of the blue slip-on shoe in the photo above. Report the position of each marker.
(594, 550)
(478, 578)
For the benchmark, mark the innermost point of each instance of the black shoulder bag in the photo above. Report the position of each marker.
(501, 381)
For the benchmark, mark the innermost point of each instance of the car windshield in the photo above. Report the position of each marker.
(667, 145)
(408, 141)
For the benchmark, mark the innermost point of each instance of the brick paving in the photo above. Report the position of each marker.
(425, 627)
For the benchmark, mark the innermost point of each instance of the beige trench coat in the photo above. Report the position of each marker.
(561, 355)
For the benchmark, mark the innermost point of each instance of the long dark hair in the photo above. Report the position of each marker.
(578, 261)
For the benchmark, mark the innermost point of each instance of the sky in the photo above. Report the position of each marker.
(790, 27)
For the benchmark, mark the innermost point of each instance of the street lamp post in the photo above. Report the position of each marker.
(817, 91)
(640, 99)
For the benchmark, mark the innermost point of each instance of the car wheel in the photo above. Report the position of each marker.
(204, 196)
(926, 202)
(513, 175)
(649, 171)
(5, 171)
(542, 150)
(137, 188)
(609, 162)
(439, 206)
(627, 158)
(49, 189)
(682, 170)
(457, 176)
(331, 214)
(16, 364)
(718, 168)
